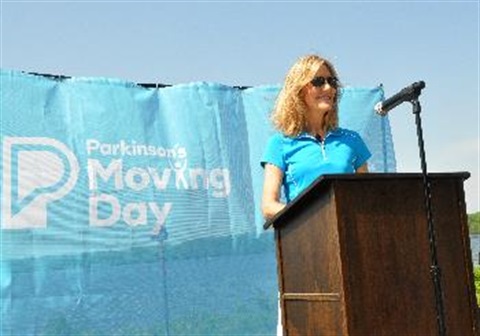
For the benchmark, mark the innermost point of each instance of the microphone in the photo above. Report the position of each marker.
(406, 94)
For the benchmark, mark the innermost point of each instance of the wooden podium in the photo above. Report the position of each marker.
(354, 258)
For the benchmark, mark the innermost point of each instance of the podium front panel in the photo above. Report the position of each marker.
(386, 258)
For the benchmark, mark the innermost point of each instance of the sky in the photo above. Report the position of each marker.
(252, 43)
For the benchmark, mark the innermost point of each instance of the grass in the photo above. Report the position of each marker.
(474, 223)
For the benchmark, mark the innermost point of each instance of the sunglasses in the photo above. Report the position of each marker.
(321, 81)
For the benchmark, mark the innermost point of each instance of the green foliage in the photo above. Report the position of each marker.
(476, 275)
(474, 223)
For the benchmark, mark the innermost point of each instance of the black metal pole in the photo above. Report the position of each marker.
(161, 236)
(434, 268)
(165, 288)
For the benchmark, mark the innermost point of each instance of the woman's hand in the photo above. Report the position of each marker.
(363, 168)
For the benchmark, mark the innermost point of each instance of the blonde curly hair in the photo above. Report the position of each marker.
(289, 113)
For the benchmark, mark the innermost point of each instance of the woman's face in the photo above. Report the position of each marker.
(319, 96)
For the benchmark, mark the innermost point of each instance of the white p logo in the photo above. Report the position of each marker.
(36, 171)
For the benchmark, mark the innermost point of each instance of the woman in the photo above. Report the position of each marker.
(309, 142)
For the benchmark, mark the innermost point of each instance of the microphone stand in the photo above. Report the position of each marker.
(434, 268)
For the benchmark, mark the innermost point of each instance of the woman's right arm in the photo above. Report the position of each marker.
(272, 184)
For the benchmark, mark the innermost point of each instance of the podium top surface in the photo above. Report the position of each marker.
(327, 179)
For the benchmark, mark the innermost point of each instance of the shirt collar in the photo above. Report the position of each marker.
(334, 132)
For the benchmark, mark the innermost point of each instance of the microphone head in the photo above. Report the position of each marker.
(379, 109)
(420, 85)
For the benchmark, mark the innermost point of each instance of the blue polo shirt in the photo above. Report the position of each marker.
(304, 158)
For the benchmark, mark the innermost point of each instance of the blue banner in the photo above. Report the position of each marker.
(127, 210)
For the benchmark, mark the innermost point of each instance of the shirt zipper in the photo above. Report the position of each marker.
(322, 146)
(324, 153)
